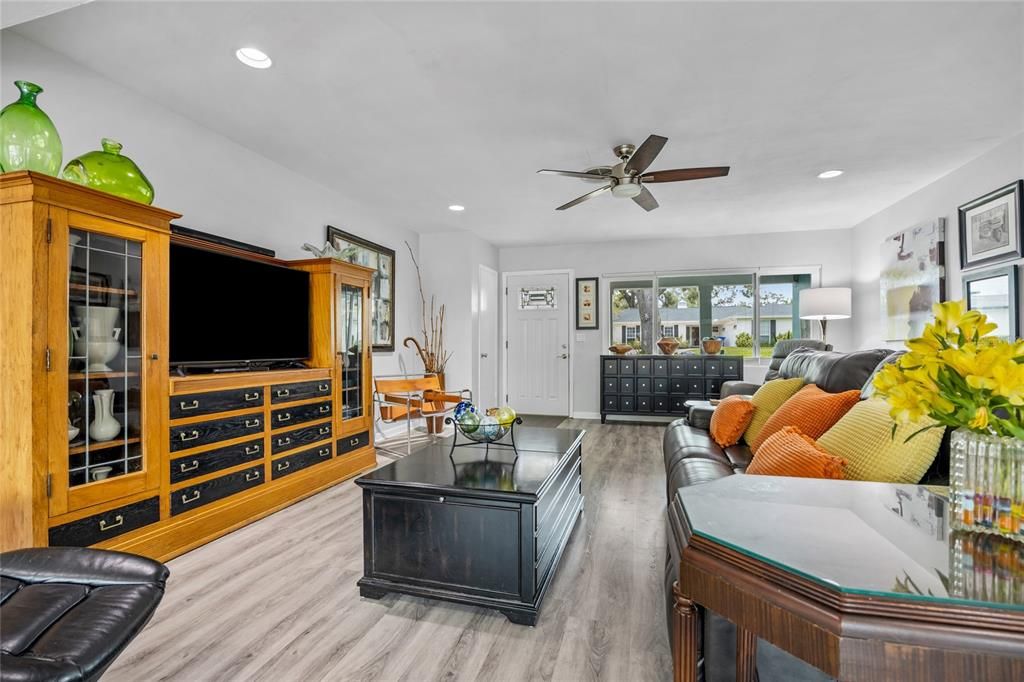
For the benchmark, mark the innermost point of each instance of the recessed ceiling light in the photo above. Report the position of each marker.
(456, 207)
(825, 175)
(250, 56)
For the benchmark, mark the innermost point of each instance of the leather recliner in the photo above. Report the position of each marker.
(67, 612)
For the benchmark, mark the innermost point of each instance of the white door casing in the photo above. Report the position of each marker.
(538, 352)
(487, 339)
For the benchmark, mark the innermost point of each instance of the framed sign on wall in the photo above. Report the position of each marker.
(382, 288)
(586, 303)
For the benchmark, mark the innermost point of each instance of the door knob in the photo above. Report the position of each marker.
(564, 356)
(483, 355)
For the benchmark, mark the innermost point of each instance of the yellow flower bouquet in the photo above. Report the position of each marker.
(959, 375)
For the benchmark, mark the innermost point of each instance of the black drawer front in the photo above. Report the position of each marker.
(188, 467)
(299, 461)
(196, 404)
(644, 403)
(661, 384)
(627, 385)
(643, 384)
(105, 525)
(287, 393)
(713, 368)
(610, 365)
(643, 366)
(731, 368)
(354, 442)
(677, 366)
(713, 386)
(677, 385)
(554, 493)
(202, 433)
(660, 403)
(282, 442)
(627, 366)
(694, 367)
(627, 403)
(611, 403)
(695, 387)
(660, 368)
(196, 496)
(290, 416)
(677, 405)
(611, 385)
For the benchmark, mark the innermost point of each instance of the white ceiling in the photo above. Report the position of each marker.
(415, 106)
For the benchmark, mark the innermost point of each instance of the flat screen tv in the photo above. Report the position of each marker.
(231, 311)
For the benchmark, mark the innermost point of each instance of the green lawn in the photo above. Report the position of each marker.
(766, 351)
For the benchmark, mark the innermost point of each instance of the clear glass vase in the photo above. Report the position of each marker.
(28, 138)
(987, 483)
(109, 171)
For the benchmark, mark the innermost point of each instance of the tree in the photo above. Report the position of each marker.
(669, 298)
(641, 299)
(732, 294)
(744, 340)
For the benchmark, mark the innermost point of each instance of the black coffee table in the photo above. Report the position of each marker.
(477, 527)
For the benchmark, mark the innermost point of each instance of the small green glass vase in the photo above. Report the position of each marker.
(28, 138)
(110, 172)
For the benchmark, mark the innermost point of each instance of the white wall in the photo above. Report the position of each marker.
(829, 249)
(217, 185)
(998, 167)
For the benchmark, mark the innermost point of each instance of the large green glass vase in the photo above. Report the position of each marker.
(28, 138)
(110, 172)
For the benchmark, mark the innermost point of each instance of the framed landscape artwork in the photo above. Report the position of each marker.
(991, 227)
(912, 278)
(586, 303)
(382, 289)
(996, 293)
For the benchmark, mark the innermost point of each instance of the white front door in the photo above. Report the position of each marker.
(537, 324)
(487, 336)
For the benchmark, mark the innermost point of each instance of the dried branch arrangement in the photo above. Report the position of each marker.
(432, 351)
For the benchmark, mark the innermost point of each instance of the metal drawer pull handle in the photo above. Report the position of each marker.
(185, 406)
(195, 465)
(252, 450)
(254, 476)
(324, 452)
(325, 429)
(323, 388)
(249, 397)
(324, 409)
(281, 466)
(183, 437)
(353, 441)
(119, 520)
(284, 441)
(185, 499)
(440, 499)
(286, 417)
(251, 423)
(283, 393)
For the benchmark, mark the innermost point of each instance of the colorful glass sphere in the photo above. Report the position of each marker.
(469, 422)
(463, 407)
(489, 427)
(506, 415)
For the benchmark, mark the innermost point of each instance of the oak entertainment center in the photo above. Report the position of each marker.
(84, 327)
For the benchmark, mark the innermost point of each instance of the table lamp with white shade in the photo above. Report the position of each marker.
(824, 304)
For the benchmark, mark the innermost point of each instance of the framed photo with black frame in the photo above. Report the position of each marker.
(996, 293)
(992, 228)
(382, 287)
(587, 315)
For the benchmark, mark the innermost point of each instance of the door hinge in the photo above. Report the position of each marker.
(48, 354)
(506, 344)
(506, 398)
(49, 485)
(49, 230)
(506, 291)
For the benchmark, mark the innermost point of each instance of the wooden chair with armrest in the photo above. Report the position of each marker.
(403, 397)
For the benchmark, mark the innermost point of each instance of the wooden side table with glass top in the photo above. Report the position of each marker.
(864, 581)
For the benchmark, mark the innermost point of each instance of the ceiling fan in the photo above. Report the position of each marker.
(626, 179)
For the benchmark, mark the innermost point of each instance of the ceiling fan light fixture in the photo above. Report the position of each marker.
(626, 190)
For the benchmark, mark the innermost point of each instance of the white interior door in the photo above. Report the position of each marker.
(487, 337)
(537, 327)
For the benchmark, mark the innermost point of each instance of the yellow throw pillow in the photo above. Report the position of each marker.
(863, 437)
(766, 400)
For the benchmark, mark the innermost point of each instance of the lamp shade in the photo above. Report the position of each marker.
(826, 303)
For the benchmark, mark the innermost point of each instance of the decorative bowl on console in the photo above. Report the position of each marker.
(668, 345)
(711, 346)
(620, 348)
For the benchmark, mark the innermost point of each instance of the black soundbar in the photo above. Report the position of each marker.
(223, 241)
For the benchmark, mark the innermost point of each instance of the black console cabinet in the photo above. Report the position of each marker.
(661, 384)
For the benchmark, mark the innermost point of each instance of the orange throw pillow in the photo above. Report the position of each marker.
(811, 410)
(730, 419)
(788, 452)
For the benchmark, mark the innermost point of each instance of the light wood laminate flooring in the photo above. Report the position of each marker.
(277, 600)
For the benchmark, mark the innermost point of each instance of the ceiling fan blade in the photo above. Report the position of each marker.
(580, 200)
(680, 174)
(574, 174)
(646, 200)
(645, 154)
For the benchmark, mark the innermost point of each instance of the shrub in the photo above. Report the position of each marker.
(744, 340)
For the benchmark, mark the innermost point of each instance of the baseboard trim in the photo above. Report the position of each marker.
(586, 415)
(646, 419)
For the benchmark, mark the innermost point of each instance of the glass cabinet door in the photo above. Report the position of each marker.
(351, 351)
(105, 366)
